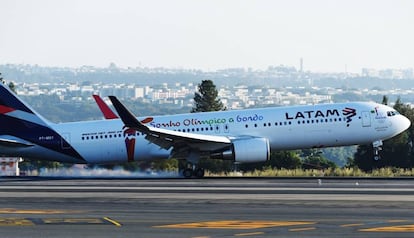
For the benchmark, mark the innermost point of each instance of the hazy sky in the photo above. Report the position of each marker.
(210, 34)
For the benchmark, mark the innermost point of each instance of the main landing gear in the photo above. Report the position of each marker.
(193, 172)
(377, 145)
(190, 169)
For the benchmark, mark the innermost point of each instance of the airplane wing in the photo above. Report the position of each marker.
(168, 138)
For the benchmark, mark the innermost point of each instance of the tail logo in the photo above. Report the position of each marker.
(5, 110)
(130, 139)
(349, 113)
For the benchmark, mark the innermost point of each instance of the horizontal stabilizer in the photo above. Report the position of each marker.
(13, 143)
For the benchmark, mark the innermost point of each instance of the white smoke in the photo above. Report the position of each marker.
(77, 171)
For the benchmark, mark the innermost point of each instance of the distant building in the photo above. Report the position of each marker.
(139, 92)
(9, 166)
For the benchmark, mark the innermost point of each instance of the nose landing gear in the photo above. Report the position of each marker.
(377, 145)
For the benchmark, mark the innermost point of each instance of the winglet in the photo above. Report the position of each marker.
(126, 116)
(106, 111)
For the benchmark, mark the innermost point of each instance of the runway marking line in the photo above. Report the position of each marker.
(71, 221)
(249, 234)
(33, 211)
(112, 221)
(235, 224)
(397, 221)
(352, 224)
(302, 229)
(401, 228)
(15, 222)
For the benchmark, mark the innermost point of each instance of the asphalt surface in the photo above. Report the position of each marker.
(215, 207)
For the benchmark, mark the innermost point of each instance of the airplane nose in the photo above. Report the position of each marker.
(404, 123)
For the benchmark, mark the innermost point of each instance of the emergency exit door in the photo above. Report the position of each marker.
(366, 119)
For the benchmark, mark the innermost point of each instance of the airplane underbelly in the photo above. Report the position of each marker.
(122, 151)
(319, 138)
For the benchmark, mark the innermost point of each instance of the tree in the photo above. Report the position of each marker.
(313, 159)
(285, 159)
(12, 87)
(11, 84)
(206, 99)
(384, 100)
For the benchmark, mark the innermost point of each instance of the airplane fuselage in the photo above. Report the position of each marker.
(286, 128)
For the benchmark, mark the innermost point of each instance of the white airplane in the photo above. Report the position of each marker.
(239, 135)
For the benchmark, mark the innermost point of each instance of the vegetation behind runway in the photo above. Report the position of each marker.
(330, 172)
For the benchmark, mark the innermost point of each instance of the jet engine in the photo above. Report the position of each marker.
(246, 150)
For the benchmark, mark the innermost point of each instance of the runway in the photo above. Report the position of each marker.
(211, 207)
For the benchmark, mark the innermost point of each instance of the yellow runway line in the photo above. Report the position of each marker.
(402, 228)
(236, 224)
(112, 221)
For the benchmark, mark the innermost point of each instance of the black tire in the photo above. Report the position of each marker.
(199, 173)
(187, 173)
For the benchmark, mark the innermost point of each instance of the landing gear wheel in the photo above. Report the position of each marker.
(377, 146)
(187, 173)
(199, 173)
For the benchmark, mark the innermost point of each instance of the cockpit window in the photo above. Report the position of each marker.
(392, 113)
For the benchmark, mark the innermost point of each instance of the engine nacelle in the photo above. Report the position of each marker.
(246, 151)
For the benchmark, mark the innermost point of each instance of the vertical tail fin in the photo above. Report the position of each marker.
(18, 119)
(21, 126)
(11, 106)
(106, 111)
